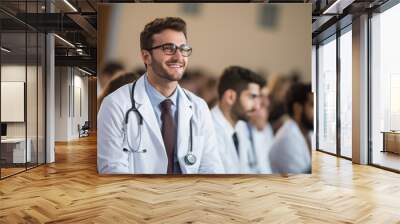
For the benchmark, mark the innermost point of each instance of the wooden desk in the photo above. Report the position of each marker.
(391, 141)
(13, 150)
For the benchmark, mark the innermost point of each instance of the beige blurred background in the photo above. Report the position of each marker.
(272, 39)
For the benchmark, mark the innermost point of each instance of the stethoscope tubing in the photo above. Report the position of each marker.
(190, 159)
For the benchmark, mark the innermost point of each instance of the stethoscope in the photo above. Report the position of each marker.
(190, 158)
(252, 155)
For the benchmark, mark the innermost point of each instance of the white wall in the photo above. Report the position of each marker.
(33, 126)
(12, 73)
(220, 34)
(79, 117)
(62, 80)
(67, 114)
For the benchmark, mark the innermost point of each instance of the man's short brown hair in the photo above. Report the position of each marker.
(157, 26)
(238, 79)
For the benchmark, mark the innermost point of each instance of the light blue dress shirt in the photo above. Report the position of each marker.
(155, 99)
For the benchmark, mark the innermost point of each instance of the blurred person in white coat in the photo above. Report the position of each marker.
(261, 135)
(239, 96)
(153, 126)
(291, 150)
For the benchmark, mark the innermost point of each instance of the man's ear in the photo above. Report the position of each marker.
(230, 96)
(146, 57)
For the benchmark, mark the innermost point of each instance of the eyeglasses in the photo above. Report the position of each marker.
(170, 49)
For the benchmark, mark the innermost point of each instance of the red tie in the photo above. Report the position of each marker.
(168, 131)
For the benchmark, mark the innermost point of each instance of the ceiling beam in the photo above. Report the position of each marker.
(81, 61)
(84, 24)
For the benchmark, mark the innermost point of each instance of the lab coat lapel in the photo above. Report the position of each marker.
(185, 113)
(146, 110)
(231, 159)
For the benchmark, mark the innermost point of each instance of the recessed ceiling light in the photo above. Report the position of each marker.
(84, 71)
(5, 50)
(70, 5)
(64, 40)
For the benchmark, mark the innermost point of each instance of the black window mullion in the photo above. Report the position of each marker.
(26, 88)
(317, 97)
(338, 94)
(369, 96)
(37, 90)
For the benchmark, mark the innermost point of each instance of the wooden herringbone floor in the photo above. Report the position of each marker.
(70, 191)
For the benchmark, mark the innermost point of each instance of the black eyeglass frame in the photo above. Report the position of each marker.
(175, 47)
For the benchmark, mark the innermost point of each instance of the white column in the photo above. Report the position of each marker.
(313, 89)
(50, 100)
(360, 90)
(50, 92)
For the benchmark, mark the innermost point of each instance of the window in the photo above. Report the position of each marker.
(22, 65)
(327, 95)
(385, 88)
(346, 92)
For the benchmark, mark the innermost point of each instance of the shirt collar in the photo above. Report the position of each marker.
(156, 97)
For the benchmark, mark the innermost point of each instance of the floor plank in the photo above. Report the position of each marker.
(70, 191)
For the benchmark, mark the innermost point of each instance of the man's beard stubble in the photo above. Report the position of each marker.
(239, 113)
(161, 72)
(309, 125)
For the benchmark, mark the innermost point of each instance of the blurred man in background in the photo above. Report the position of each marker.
(201, 83)
(116, 83)
(291, 150)
(209, 92)
(278, 87)
(193, 80)
(110, 71)
(261, 135)
(239, 97)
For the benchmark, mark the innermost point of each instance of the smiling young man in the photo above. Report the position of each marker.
(239, 97)
(153, 125)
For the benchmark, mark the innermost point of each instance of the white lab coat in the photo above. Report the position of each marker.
(289, 153)
(111, 158)
(262, 141)
(233, 164)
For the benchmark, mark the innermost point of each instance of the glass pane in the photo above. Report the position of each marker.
(14, 152)
(346, 94)
(31, 97)
(385, 86)
(327, 96)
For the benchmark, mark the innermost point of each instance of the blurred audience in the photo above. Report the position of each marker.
(139, 70)
(201, 83)
(278, 88)
(238, 92)
(291, 150)
(193, 80)
(209, 92)
(246, 115)
(109, 72)
(116, 83)
(261, 134)
(294, 76)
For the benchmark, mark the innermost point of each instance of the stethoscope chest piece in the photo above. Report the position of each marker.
(190, 159)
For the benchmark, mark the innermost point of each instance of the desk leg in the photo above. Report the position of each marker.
(384, 142)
